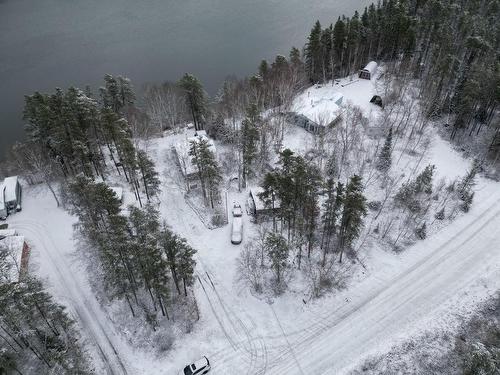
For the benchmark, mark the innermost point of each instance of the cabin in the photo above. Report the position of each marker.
(369, 71)
(16, 252)
(184, 160)
(12, 194)
(317, 115)
(3, 207)
(258, 207)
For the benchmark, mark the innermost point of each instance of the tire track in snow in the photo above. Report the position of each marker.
(414, 275)
(39, 235)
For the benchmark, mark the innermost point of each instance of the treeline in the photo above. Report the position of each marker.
(37, 336)
(452, 46)
(71, 133)
(315, 217)
(143, 262)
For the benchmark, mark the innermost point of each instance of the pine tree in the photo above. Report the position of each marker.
(385, 157)
(270, 190)
(277, 251)
(440, 215)
(421, 232)
(149, 175)
(180, 257)
(295, 59)
(465, 186)
(331, 213)
(423, 182)
(195, 99)
(354, 209)
(313, 54)
(339, 44)
(37, 333)
(208, 169)
(249, 139)
(145, 229)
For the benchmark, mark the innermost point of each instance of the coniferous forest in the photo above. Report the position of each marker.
(441, 70)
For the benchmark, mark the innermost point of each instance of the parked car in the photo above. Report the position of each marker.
(237, 230)
(237, 211)
(200, 367)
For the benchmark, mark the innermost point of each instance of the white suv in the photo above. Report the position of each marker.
(200, 367)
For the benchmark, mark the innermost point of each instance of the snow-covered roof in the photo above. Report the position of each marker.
(14, 246)
(371, 67)
(323, 110)
(259, 203)
(10, 188)
(7, 232)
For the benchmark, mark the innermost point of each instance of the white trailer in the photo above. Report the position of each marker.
(13, 194)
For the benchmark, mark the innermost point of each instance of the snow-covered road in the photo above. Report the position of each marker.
(444, 267)
(82, 305)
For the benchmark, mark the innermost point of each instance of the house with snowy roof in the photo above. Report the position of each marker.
(15, 252)
(316, 114)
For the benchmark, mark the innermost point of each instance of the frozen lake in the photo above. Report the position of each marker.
(49, 43)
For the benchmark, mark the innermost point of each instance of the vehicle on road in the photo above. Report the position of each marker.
(237, 230)
(200, 367)
(237, 211)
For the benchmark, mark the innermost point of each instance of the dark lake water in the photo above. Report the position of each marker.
(58, 43)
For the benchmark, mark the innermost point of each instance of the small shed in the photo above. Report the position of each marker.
(12, 194)
(258, 207)
(377, 100)
(369, 70)
(16, 253)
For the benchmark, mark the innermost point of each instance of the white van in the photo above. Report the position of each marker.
(237, 230)
(13, 193)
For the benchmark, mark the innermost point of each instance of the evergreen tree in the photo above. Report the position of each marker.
(465, 186)
(208, 169)
(180, 257)
(277, 251)
(313, 55)
(295, 59)
(354, 209)
(195, 99)
(440, 215)
(37, 333)
(331, 213)
(149, 175)
(339, 40)
(421, 231)
(269, 194)
(249, 139)
(385, 157)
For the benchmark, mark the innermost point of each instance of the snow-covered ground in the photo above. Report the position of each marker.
(397, 296)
